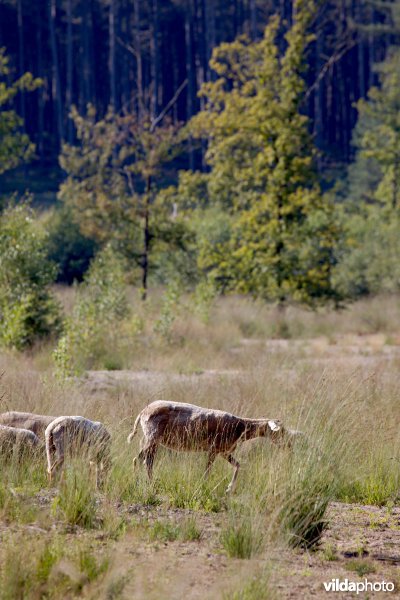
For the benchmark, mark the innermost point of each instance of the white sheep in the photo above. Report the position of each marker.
(182, 426)
(77, 435)
(27, 420)
(16, 440)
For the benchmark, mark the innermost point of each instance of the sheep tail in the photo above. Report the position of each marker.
(135, 426)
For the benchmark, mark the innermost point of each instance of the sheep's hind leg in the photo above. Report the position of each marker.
(210, 460)
(149, 454)
(236, 466)
(141, 456)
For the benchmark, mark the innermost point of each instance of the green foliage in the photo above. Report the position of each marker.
(282, 231)
(92, 332)
(369, 261)
(169, 312)
(379, 122)
(204, 297)
(15, 146)
(114, 175)
(28, 310)
(67, 247)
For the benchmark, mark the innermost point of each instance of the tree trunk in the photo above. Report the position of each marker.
(21, 59)
(359, 14)
(85, 87)
(146, 240)
(253, 19)
(56, 82)
(68, 95)
(111, 55)
(189, 75)
(154, 50)
(139, 63)
(318, 94)
(210, 29)
(41, 90)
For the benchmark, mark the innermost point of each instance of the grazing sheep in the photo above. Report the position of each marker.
(77, 435)
(182, 426)
(26, 420)
(16, 440)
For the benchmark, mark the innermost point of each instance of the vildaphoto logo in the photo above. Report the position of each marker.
(345, 585)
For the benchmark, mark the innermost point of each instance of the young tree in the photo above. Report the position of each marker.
(113, 179)
(379, 124)
(261, 163)
(28, 310)
(369, 257)
(15, 146)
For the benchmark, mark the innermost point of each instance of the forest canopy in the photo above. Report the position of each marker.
(247, 147)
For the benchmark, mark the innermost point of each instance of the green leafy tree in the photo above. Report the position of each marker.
(28, 311)
(114, 175)
(369, 261)
(281, 229)
(379, 141)
(369, 257)
(15, 146)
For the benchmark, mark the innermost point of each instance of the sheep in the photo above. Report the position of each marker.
(182, 426)
(27, 420)
(75, 434)
(16, 439)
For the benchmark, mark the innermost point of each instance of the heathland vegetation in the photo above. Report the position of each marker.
(249, 285)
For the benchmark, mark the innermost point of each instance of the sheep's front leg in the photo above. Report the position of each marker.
(236, 466)
(55, 466)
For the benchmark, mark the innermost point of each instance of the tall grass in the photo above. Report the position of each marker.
(347, 409)
(76, 501)
(34, 568)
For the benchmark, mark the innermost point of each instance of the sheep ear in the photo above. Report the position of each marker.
(274, 425)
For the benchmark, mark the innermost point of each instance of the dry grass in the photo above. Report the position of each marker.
(334, 376)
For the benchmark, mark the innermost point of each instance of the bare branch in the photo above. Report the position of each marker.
(170, 104)
(336, 56)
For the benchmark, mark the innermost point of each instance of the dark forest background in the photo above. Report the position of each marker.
(135, 53)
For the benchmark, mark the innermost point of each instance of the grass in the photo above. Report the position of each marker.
(361, 567)
(322, 378)
(48, 570)
(190, 530)
(257, 587)
(241, 538)
(75, 501)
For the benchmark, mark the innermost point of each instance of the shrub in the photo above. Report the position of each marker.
(369, 261)
(28, 311)
(93, 331)
(68, 248)
(169, 312)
